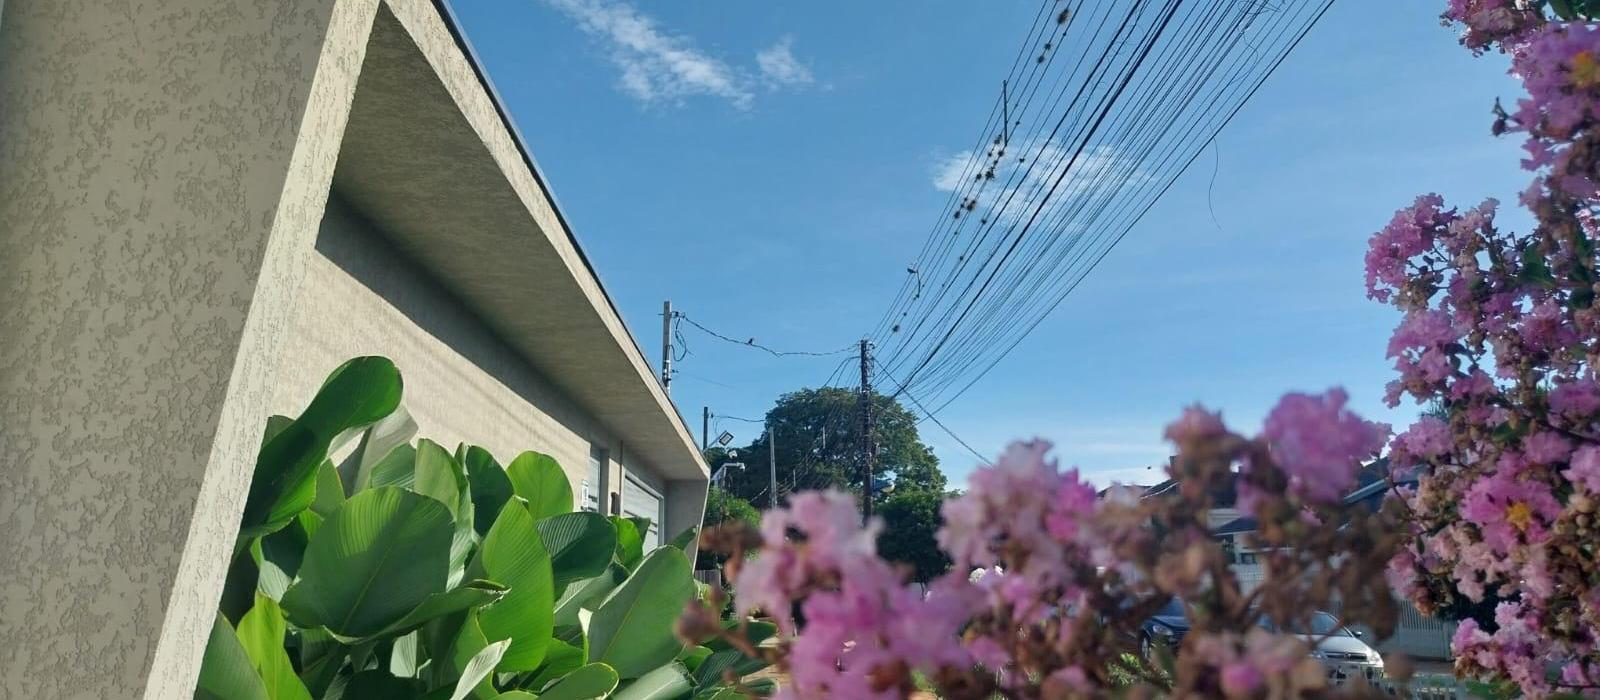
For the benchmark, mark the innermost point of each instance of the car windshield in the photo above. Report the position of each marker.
(1173, 608)
(1323, 625)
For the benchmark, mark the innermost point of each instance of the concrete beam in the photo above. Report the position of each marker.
(166, 166)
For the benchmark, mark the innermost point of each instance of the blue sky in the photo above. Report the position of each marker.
(771, 169)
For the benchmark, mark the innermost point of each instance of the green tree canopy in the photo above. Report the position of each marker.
(819, 446)
(910, 519)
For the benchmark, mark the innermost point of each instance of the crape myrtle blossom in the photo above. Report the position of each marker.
(1492, 518)
(1499, 335)
(1068, 575)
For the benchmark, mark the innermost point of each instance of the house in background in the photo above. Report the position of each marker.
(207, 206)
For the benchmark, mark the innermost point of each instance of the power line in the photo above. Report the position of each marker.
(751, 343)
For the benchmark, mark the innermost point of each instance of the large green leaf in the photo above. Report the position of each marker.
(513, 554)
(588, 594)
(478, 668)
(397, 468)
(538, 479)
(261, 634)
(491, 488)
(630, 542)
(330, 491)
(663, 683)
(474, 594)
(321, 657)
(226, 672)
(567, 651)
(437, 475)
(384, 553)
(581, 546)
(586, 683)
(469, 642)
(377, 441)
(279, 556)
(685, 540)
(359, 392)
(633, 629)
(711, 670)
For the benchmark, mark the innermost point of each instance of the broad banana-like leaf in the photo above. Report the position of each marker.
(630, 542)
(514, 554)
(757, 631)
(691, 657)
(686, 540)
(384, 553)
(437, 475)
(633, 629)
(377, 441)
(358, 393)
(587, 683)
(225, 671)
(491, 488)
(474, 594)
(330, 491)
(663, 683)
(478, 669)
(538, 479)
(405, 659)
(581, 545)
(711, 670)
(567, 651)
(588, 594)
(261, 634)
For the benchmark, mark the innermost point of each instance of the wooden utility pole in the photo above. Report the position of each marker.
(868, 446)
(705, 429)
(772, 465)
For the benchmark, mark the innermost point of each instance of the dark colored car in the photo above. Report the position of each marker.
(1166, 628)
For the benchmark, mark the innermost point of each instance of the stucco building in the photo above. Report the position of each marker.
(205, 206)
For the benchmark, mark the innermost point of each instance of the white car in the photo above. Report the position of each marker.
(1341, 651)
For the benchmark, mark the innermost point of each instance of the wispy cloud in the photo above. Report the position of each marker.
(780, 68)
(658, 66)
(1011, 181)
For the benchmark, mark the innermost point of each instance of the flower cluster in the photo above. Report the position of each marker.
(1499, 337)
(1052, 580)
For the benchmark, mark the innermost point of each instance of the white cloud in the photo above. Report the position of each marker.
(1097, 173)
(657, 66)
(780, 68)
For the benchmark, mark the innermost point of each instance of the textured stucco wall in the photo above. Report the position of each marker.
(462, 382)
(165, 166)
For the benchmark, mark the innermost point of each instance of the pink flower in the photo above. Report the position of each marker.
(1319, 443)
(1510, 510)
(1546, 447)
(1428, 437)
(1584, 471)
(1240, 679)
(1577, 400)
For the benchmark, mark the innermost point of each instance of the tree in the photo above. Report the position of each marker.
(819, 446)
(723, 507)
(910, 519)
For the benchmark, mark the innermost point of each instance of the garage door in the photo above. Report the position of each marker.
(641, 501)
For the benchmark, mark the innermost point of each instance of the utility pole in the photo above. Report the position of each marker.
(666, 346)
(868, 446)
(705, 429)
(772, 464)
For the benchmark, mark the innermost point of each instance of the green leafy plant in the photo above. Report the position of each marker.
(410, 571)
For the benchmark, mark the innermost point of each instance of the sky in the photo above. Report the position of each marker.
(771, 168)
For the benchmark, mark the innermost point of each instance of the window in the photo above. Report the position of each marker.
(594, 479)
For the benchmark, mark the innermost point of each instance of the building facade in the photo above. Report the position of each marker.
(207, 205)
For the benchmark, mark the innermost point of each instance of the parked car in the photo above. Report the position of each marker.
(1340, 650)
(1165, 628)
